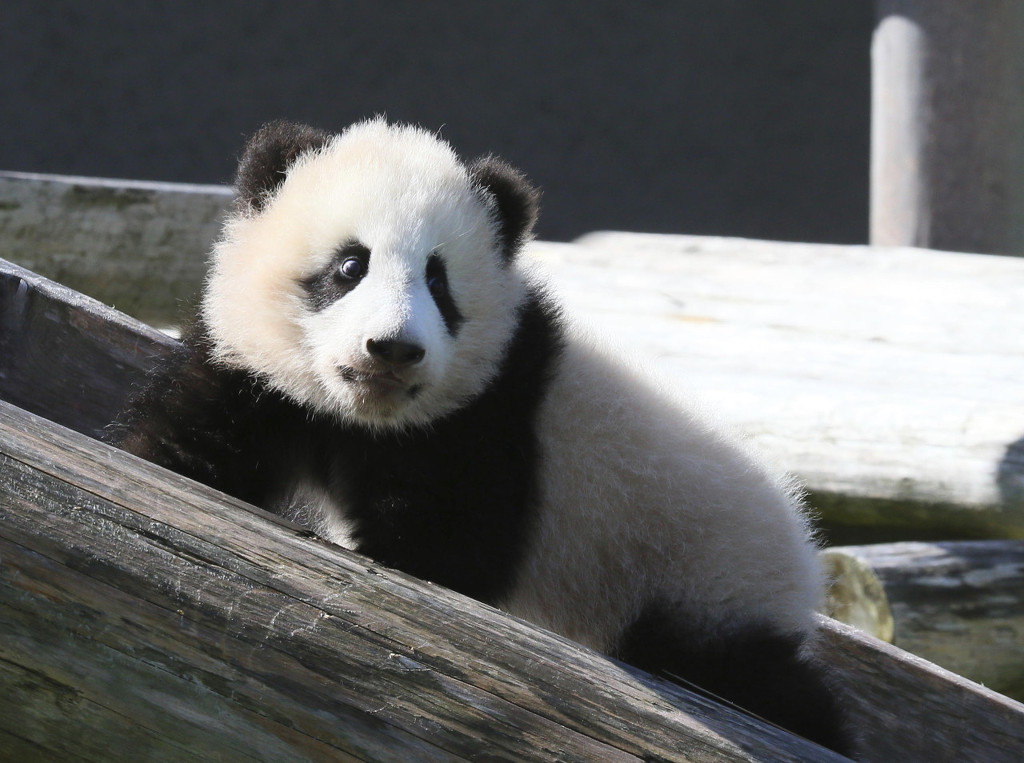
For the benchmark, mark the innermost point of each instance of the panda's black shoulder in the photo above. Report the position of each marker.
(209, 422)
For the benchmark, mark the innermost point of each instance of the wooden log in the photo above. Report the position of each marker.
(145, 614)
(67, 357)
(908, 709)
(148, 615)
(959, 605)
(885, 379)
(947, 125)
(137, 245)
(869, 711)
(856, 596)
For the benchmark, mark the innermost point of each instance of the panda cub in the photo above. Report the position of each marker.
(372, 358)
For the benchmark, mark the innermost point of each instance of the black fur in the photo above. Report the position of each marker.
(516, 200)
(325, 288)
(267, 157)
(758, 669)
(213, 425)
(437, 281)
(452, 503)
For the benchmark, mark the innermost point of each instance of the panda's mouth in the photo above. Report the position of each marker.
(378, 382)
(350, 374)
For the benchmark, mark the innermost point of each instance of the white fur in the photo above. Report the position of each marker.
(404, 194)
(640, 496)
(643, 497)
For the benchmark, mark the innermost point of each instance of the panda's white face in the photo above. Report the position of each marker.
(371, 286)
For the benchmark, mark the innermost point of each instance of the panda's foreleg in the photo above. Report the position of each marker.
(755, 668)
(206, 423)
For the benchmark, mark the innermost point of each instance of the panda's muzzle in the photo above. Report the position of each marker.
(385, 374)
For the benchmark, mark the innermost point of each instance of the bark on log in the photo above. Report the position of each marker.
(957, 604)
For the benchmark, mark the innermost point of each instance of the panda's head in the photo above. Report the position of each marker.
(369, 275)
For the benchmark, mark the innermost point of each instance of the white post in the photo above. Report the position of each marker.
(947, 125)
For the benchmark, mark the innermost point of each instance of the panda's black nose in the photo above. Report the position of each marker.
(395, 352)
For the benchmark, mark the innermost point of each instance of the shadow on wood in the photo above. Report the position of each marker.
(67, 357)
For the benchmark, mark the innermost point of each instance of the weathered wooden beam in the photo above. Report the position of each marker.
(871, 708)
(149, 616)
(136, 245)
(957, 604)
(66, 356)
(947, 125)
(908, 709)
(144, 613)
(886, 379)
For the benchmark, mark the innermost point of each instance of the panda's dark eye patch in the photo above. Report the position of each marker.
(437, 283)
(342, 274)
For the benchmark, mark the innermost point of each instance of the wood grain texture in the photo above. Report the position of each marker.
(886, 379)
(957, 604)
(907, 708)
(200, 616)
(137, 245)
(177, 618)
(98, 544)
(67, 357)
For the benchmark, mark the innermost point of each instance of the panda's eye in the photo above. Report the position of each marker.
(352, 269)
(438, 285)
(440, 291)
(347, 268)
(437, 277)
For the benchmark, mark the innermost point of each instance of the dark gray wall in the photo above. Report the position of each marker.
(735, 117)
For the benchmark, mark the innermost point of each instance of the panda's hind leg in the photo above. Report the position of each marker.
(755, 668)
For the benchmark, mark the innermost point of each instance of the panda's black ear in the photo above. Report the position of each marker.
(268, 155)
(516, 200)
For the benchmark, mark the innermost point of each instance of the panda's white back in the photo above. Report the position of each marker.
(643, 497)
